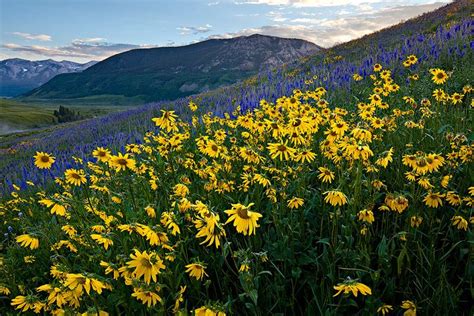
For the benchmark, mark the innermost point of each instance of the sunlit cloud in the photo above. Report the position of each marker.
(305, 3)
(328, 31)
(187, 30)
(85, 49)
(35, 37)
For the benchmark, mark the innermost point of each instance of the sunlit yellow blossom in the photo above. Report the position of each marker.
(335, 198)
(439, 95)
(75, 177)
(366, 216)
(325, 175)
(55, 207)
(377, 67)
(121, 162)
(456, 98)
(384, 309)
(398, 203)
(210, 228)
(439, 76)
(148, 265)
(415, 221)
(207, 311)
(181, 190)
(244, 220)
(295, 202)
(79, 282)
(102, 154)
(459, 222)
(25, 303)
(281, 151)
(4, 290)
(27, 240)
(196, 270)
(147, 297)
(453, 198)
(110, 268)
(101, 240)
(352, 287)
(305, 156)
(150, 211)
(43, 160)
(167, 121)
(410, 308)
(433, 199)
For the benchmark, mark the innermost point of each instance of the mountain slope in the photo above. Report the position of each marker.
(170, 72)
(18, 76)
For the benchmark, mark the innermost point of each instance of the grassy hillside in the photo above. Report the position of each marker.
(343, 187)
(20, 115)
(302, 206)
(448, 47)
(167, 73)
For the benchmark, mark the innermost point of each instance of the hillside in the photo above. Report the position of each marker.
(168, 73)
(18, 76)
(338, 185)
(447, 46)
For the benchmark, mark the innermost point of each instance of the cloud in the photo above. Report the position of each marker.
(36, 37)
(83, 49)
(305, 3)
(328, 31)
(213, 3)
(276, 16)
(187, 30)
(90, 40)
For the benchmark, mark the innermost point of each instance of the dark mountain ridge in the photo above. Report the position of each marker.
(167, 73)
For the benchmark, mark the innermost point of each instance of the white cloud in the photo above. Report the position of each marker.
(80, 50)
(276, 16)
(328, 31)
(35, 37)
(306, 3)
(187, 30)
(363, 4)
(90, 40)
(213, 3)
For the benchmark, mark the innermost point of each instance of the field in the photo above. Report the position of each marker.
(17, 116)
(24, 115)
(340, 185)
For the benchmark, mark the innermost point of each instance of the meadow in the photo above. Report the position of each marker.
(21, 116)
(340, 185)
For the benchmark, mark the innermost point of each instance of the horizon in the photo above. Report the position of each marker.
(324, 24)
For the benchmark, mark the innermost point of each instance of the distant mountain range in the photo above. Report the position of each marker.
(18, 76)
(167, 73)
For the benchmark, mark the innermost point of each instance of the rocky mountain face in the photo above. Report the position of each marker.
(167, 73)
(18, 76)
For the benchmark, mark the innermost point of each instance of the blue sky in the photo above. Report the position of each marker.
(83, 30)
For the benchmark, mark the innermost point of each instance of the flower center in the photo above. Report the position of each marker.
(122, 162)
(243, 213)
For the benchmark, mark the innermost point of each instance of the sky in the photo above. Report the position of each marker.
(85, 30)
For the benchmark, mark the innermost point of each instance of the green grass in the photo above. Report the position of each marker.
(99, 101)
(22, 115)
(19, 116)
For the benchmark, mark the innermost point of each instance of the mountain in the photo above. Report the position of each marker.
(167, 73)
(18, 76)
